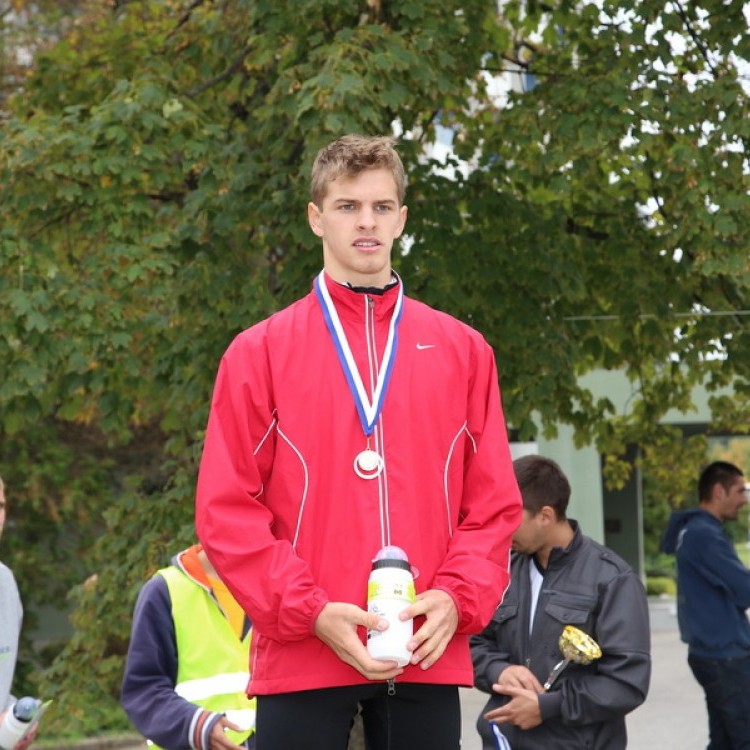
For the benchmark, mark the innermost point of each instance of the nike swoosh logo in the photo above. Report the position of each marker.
(426, 346)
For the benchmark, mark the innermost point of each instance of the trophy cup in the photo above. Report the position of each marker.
(577, 647)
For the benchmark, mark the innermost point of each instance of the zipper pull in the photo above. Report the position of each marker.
(391, 687)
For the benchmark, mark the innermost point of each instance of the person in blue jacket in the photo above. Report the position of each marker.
(713, 594)
(186, 672)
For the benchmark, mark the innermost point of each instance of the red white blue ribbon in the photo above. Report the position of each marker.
(367, 409)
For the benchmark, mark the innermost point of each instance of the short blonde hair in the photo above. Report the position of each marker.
(349, 156)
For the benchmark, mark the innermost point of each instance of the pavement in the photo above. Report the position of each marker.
(673, 716)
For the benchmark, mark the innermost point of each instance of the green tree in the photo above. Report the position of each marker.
(153, 171)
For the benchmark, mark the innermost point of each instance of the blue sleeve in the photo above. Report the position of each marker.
(148, 695)
(714, 554)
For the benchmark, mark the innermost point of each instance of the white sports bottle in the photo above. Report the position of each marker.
(17, 721)
(390, 590)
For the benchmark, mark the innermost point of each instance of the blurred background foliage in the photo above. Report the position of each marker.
(154, 157)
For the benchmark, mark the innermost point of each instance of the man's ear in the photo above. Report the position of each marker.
(403, 211)
(548, 514)
(717, 492)
(313, 217)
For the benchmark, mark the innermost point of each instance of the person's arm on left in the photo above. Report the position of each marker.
(495, 657)
(11, 617)
(475, 573)
(148, 694)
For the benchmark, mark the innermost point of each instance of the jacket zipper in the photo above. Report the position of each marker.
(372, 373)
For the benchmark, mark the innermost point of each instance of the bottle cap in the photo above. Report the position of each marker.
(391, 563)
(391, 552)
(25, 708)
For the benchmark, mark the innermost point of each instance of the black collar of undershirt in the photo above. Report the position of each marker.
(372, 289)
(538, 565)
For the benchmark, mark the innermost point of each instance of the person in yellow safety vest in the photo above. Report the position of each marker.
(186, 671)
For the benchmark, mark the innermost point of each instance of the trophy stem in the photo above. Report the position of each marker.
(555, 673)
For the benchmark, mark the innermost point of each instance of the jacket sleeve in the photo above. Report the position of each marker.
(269, 581)
(147, 694)
(712, 553)
(619, 680)
(475, 571)
(489, 661)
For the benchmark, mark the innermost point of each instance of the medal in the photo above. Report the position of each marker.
(368, 463)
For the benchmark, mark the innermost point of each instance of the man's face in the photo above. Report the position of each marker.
(358, 221)
(731, 500)
(529, 536)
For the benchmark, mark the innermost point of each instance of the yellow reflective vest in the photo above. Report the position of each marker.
(212, 663)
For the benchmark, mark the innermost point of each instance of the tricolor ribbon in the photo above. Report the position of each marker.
(369, 411)
(501, 741)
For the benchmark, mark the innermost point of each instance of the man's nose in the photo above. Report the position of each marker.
(366, 217)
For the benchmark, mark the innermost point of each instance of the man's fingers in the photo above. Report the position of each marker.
(511, 690)
(497, 715)
(337, 626)
(441, 619)
(527, 683)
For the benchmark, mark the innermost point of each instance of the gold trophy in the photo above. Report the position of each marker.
(577, 647)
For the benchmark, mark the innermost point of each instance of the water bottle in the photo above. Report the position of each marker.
(390, 590)
(17, 720)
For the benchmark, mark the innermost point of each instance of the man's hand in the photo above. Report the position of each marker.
(522, 709)
(25, 743)
(518, 676)
(441, 620)
(217, 740)
(336, 626)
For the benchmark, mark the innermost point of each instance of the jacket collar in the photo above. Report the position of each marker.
(189, 563)
(351, 304)
(560, 555)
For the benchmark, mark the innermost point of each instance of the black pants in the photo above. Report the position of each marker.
(413, 717)
(726, 683)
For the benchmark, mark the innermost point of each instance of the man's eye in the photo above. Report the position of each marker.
(346, 206)
(383, 207)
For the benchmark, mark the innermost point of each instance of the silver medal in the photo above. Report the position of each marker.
(368, 464)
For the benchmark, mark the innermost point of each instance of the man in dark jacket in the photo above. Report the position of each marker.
(713, 588)
(560, 577)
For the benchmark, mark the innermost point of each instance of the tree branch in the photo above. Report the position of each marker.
(693, 35)
(228, 72)
(185, 17)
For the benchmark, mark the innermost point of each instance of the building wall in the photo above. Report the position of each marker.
(612, 518)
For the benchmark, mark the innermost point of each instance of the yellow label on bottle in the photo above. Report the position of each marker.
(392, 590)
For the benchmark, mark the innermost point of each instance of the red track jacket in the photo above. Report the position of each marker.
(289, 525)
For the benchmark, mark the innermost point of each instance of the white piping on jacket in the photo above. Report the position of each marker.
(382, 478)
(304, 489)
(275, 423)
(463, 428)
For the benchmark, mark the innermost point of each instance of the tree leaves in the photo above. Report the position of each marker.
(153, 180)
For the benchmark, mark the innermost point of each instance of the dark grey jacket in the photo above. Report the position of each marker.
(589, 586)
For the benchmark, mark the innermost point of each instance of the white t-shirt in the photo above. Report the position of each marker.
(535, 579)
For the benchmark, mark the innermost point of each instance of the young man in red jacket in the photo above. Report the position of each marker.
(354, 419)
